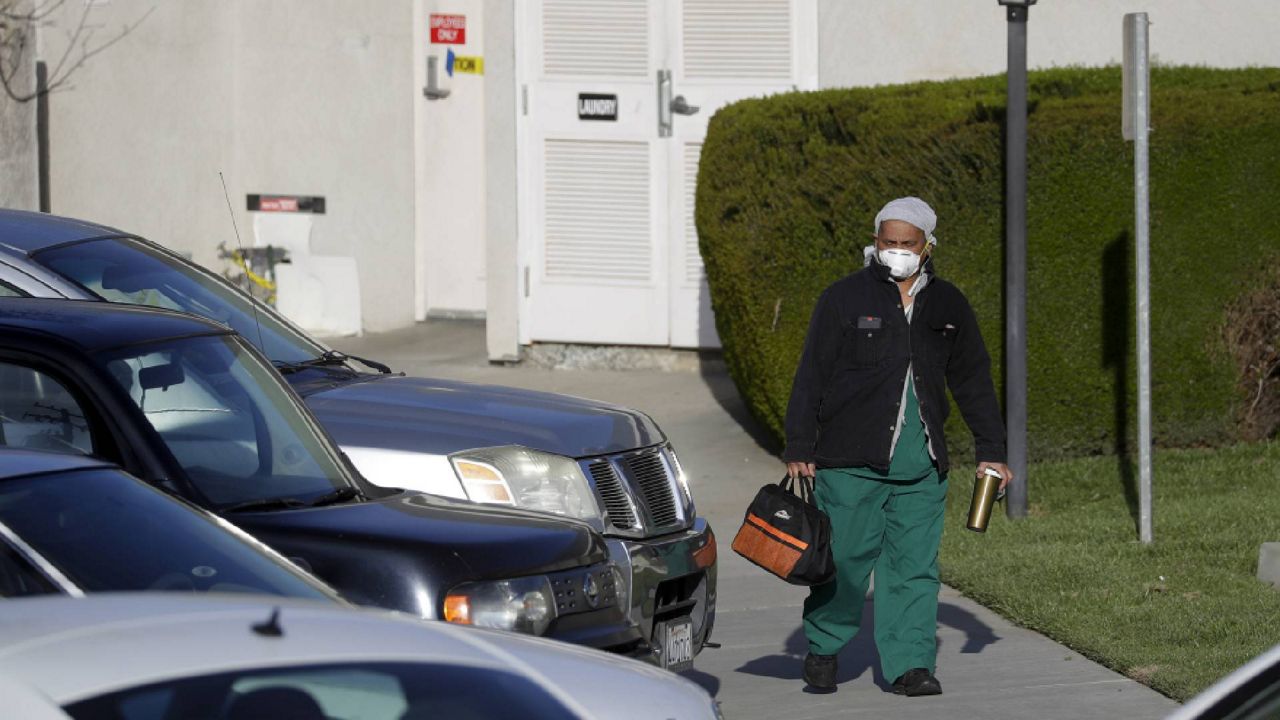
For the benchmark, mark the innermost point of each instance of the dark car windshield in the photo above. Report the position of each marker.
(348, 691)
(239, 434)
(107, 531)
(124, 270)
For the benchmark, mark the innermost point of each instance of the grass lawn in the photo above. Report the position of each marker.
(1176, 615)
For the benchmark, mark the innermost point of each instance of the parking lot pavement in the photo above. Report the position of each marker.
(988, 667)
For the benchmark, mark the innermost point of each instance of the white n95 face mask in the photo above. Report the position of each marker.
(902, 264)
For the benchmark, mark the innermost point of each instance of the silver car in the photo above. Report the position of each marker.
(1251, 692)
(159, 656)
(607, 465)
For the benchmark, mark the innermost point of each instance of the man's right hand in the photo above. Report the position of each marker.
(799, 469)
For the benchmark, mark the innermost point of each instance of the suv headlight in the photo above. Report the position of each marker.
(529, 479)
(523, 605)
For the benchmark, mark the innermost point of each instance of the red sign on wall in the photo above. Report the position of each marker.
(448, 29)
(278, 204)
(286, 203)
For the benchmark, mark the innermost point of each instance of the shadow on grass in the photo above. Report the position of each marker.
(860, 654)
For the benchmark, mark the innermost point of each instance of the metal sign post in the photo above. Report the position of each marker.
(1015, 332)
(1136, 126)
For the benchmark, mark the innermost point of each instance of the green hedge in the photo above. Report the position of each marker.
(789, 185)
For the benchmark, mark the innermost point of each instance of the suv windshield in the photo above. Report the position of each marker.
(124, 270)
(108, 532)
(229, 422)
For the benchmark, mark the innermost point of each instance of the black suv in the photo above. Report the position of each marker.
(187, 405)
(604, 464)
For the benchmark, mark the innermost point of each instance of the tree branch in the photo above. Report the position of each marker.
(15, 27)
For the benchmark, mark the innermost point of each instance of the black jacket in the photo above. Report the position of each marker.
(844, 400)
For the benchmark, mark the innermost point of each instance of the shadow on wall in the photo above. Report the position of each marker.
(1117, 343)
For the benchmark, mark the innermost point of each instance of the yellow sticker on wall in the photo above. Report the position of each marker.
(468, 64)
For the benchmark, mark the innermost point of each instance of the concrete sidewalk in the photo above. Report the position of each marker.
(988, 667)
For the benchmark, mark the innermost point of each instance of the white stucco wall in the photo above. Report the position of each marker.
(323, 106)
(450, 193)
(18, 181)
(306, 97)
(502, 288)
(873, 42)
(139, 136)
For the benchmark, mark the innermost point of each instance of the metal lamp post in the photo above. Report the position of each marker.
(1015, 332)
(1136, 126)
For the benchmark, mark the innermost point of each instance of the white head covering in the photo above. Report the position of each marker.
(912, 210)
(917, 212)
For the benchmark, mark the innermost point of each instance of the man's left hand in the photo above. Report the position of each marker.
(1001, 468)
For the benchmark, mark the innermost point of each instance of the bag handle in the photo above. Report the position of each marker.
(805, 489)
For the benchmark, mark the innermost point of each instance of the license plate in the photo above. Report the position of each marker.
(675, 637)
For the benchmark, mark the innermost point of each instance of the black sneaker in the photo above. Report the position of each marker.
(916, 682)
(820, 672)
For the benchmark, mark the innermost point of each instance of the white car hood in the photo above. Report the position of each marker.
(71, 649)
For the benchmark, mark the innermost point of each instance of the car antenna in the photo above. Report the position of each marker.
(271, 627)
(253, 302)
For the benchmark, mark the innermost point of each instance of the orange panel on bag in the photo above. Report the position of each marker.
(795, 541)
(765, 551)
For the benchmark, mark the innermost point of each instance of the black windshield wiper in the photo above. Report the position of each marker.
(340, 495)
(277, 503)
(328, 357)
(374, 364)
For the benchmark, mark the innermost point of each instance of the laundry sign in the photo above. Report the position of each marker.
(597, 106)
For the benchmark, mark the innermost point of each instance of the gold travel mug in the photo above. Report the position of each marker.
(985, 488)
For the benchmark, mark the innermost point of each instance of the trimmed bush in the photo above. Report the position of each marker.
(789, 185)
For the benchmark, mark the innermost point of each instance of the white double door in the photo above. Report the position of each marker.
(608, 245)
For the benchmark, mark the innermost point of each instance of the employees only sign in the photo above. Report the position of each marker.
(448, 29)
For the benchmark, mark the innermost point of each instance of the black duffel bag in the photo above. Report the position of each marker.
(786, 534)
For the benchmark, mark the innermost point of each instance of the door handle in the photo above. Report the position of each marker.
(680, 106)
(664, 103)
(668, 105)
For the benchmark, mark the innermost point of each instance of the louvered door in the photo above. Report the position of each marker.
(722, 51)
(596, 274)
(608, 238)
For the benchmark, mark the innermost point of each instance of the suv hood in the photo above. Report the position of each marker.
(493, 542)
(427, 415)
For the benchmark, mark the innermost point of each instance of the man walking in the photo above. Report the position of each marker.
(866, 414)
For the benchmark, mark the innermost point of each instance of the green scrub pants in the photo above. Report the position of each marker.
(893, 528)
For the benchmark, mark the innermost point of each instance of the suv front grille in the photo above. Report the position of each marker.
(616, 503)
(650, 474)
(638, 492)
